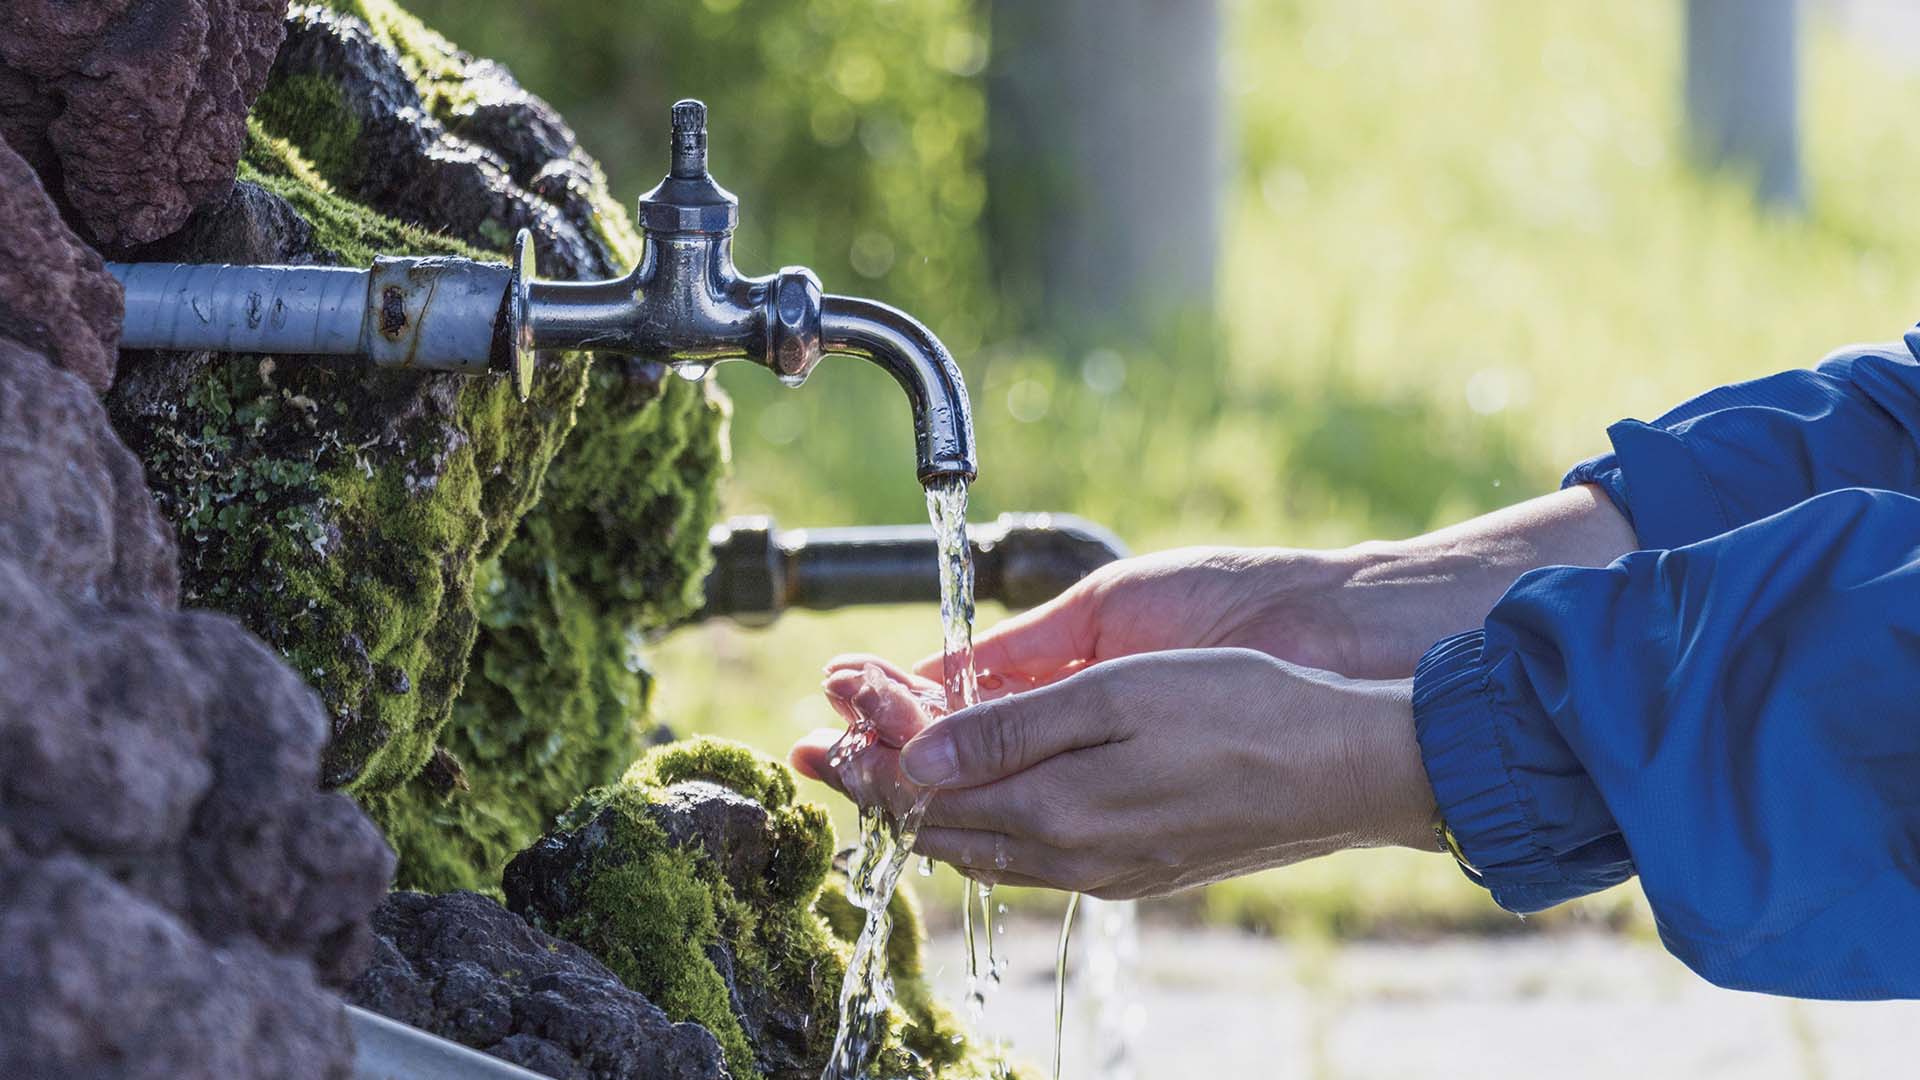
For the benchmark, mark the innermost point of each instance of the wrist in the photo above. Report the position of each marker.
(1404, 807)
(1401, 596)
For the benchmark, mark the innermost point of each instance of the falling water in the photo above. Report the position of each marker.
(1060, 979)
(885, 841)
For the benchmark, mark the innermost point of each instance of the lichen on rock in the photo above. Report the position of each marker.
(698, 880)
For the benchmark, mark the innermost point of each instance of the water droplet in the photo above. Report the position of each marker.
(926, 866)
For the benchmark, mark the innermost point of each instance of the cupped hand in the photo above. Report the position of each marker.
(1143, 775)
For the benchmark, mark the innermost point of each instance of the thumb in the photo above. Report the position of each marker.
(994, 740)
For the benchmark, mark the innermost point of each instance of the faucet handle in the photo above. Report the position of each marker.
(687, 201)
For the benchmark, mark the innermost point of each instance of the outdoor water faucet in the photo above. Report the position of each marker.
(684, 305)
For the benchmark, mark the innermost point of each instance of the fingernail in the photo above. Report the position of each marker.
(930, 760)
(990, 681)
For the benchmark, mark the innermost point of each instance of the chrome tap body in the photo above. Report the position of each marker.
(687, 305)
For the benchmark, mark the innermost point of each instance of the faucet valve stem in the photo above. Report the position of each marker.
(689, 140)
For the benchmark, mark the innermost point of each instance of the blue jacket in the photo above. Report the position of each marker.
(1732, 714)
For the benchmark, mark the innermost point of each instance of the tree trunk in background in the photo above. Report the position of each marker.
(1742, 90)
(1104, 163)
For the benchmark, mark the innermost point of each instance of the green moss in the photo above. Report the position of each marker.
(669, 916)
(930, 1030)
(353, 234)
(556, 697)
(718, 761)
(555, 689)
(652, 914)
(310, 106)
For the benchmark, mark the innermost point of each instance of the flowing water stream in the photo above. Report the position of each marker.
(886, 841)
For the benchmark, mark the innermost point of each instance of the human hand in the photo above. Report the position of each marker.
(1367, 612)
(1147, 774)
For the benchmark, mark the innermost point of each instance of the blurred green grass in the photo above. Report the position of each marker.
(1462, 238)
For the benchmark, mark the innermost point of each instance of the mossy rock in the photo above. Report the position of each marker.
(361, 520)
(341, 511)
(698, 879)
(558, 689)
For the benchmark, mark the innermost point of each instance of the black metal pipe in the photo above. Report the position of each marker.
(1020, 560)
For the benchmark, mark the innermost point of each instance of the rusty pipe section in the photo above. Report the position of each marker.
(1020, 560)
(436, 313)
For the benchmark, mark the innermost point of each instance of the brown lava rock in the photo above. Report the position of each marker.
(134, 110)
(55, 295)
(76, 516)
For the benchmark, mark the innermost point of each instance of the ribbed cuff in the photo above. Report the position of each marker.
(1456, 718)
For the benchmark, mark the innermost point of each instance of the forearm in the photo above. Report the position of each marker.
(1399, 597)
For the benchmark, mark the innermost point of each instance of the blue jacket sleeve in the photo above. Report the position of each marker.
(1739, 453)
(1736, 720)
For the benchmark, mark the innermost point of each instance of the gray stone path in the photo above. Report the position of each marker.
(1568, 1006)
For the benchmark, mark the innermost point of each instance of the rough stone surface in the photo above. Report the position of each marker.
(55, 295)
(134, 110)
(74, 513)
(248, 225)
(104, 982)
(697, 879)
(174, 888)
(479, 160)
(175, 751)
(557, 883)
(465, 968)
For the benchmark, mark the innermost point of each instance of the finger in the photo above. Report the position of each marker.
(809, 756)
(860, 661)
(996, 739)
(872, 777)
(870, 699)
(1005, 807)
(1035, 643)
(891, 706)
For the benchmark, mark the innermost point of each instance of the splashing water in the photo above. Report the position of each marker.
(886, 841)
